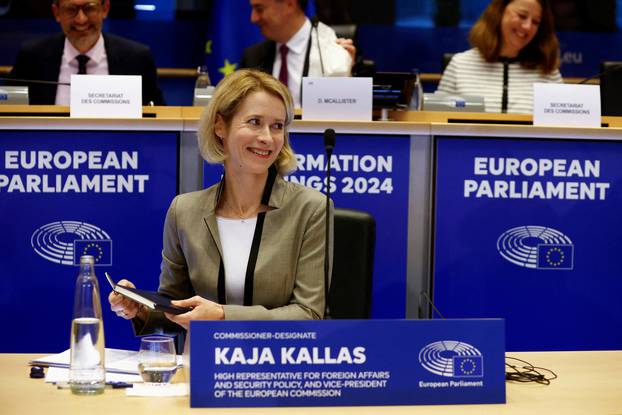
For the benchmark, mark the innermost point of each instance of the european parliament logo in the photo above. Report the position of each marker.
(452, 359)
(64, 242)
(537, 247)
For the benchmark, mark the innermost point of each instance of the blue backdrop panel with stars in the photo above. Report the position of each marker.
(229, 32)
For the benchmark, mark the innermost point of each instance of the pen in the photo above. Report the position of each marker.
(115, 385)
(120, 385)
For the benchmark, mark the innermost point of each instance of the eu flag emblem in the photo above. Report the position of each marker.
(555, 256)
(468, 366)
(100, 249)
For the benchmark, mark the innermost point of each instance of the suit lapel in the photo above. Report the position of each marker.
(209, 217)
(51, 59)
(113, 56)
(269, 55)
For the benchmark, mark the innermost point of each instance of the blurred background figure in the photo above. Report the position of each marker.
(82, 48)
(291, 50)
(514, 46)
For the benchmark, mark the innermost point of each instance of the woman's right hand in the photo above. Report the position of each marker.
(123, 306)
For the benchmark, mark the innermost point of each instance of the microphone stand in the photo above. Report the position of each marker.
(314, 22)
(611, 69)
(329, 145)
(33, 81)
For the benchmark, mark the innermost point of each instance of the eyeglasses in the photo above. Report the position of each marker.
(89, 10)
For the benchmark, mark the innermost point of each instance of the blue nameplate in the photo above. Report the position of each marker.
(346, 362)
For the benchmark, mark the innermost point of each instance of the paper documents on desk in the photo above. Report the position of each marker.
(117, 361)
(61, 375)
(169, 389)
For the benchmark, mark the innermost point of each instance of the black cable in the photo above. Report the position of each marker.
(528, 373)
(429, 300)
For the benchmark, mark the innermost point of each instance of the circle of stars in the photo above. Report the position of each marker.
(552, 262)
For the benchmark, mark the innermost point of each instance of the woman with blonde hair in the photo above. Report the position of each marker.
(251, 246)
(514, 46)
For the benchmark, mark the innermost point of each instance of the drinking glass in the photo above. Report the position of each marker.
(157, 362)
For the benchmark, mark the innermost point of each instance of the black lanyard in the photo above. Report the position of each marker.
(252, 258)
(506, 75)
(504, 96)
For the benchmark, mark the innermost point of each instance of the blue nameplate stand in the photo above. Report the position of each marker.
(346, 362)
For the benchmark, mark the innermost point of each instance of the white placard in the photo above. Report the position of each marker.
(566, 105)
(106, 96)
(336, 98)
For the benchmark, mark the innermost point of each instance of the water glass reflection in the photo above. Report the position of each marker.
(157, 362)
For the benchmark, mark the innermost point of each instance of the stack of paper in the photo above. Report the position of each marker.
(121, 366)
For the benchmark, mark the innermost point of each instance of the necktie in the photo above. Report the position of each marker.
(283, 72)
(82, 60)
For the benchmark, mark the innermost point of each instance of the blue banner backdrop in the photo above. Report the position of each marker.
(66, 193)
(346, 362)
(530, 230)
(370, 173)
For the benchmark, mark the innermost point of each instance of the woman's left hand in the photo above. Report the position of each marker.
(202, 309)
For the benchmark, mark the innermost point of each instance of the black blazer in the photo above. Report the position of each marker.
(40, 60)
(259, 56)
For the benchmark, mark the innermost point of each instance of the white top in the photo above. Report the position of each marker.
(336, 60)
(236, 238)
(469, 74)
(97, 65)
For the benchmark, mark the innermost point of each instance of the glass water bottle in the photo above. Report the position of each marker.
(87, 374)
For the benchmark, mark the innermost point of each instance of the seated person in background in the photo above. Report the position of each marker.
(55, 58)
(251, 246)
(291, 40)
(514, 46)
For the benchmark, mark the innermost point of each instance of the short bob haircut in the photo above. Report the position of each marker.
(541, 53)
(229, 95)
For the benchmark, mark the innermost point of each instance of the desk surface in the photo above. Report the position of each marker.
(587, 383)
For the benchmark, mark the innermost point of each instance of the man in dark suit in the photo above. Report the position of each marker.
(82, 48)
(284, 24)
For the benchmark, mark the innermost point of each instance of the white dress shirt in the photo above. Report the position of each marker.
(297, 46)
(97, 65)
(336, 61)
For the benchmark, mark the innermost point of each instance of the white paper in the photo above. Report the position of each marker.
(566, 105)
(334, 98)
(106, 96)
(117, 360)
(61, 375)
(168, 389)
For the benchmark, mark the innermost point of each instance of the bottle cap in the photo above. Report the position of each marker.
(87, 259)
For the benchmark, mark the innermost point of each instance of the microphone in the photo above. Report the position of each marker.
(613, 68)
(315, 21)
(329, 142)
(34, 81)
(329, 145)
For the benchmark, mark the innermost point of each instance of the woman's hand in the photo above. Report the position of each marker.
(123, 306)
(202, 309)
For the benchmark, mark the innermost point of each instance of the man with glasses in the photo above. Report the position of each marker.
(82, 48)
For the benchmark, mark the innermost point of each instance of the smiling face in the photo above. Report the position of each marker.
(519, 25)
(81, 21)
(255, 135)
